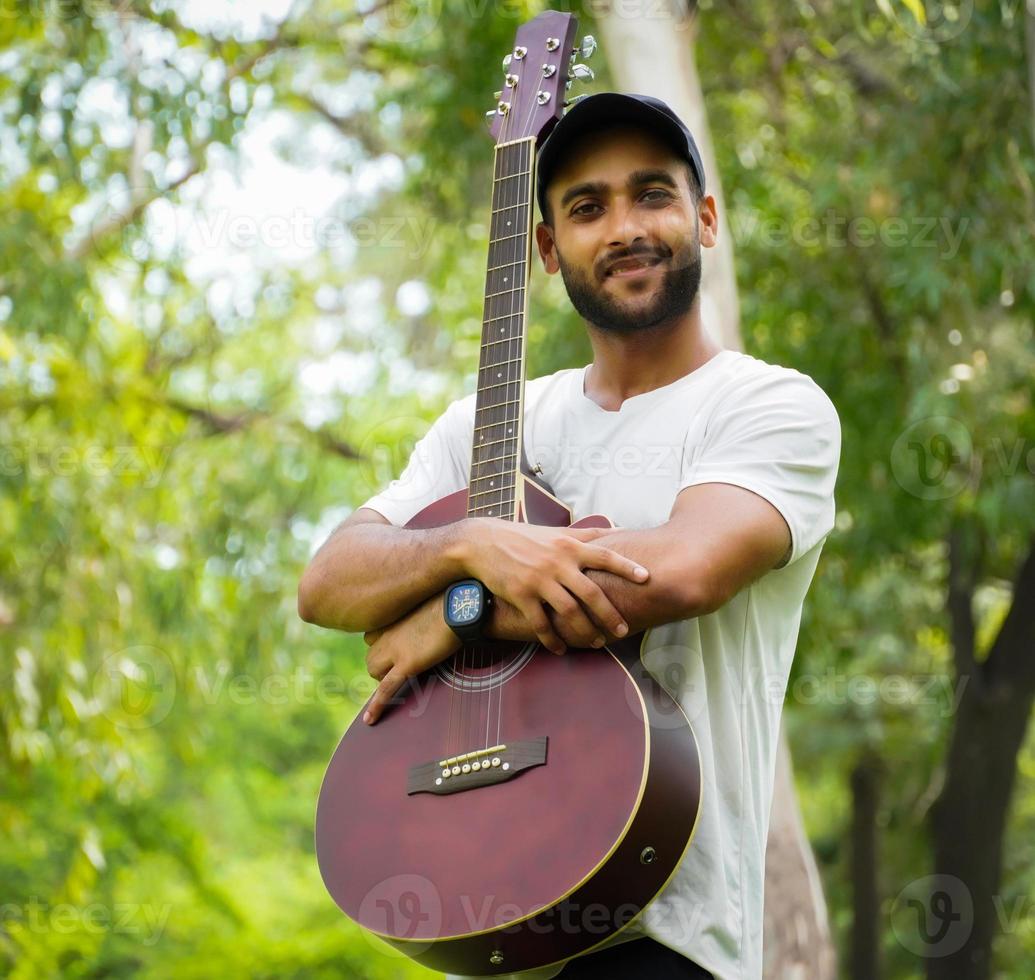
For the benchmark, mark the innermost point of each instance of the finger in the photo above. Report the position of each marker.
(382, 697)
(370, 637)
(534, 612)
(586, 533)
(569, 611)
(376, 666)
(579, 641)
(606, 560)
(600, 607)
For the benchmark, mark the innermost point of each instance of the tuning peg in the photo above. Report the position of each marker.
(507, 59)
(589, 45)
(498, 95)
(581, 73)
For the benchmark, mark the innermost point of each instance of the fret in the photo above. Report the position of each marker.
(520, 173)
(502, 316)
(506, 292)
(491, 476)
(485, 493)
(506, 340)
(503, 238)
(506, 265)
(509, 422)
(503, 506)
(508, 207)
(479, 462)
(489, 367)
(513, 401)
(516, 141)
(499, 384)
(509, 437)
(494, 442)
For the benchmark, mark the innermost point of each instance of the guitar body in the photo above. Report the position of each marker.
(574, 819)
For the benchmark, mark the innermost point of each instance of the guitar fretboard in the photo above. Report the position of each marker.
(496, 451)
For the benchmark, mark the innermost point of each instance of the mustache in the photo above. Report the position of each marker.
(640, 254)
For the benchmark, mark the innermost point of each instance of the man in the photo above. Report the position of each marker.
(718, 471)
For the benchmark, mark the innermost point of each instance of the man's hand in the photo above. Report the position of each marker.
(528, 565)
(405, 649)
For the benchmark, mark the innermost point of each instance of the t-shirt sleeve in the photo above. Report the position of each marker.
(439, 465)
(779, 436)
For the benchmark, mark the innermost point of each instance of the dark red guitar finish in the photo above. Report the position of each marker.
(537, 869)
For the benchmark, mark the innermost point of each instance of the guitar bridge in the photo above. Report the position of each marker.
(479, 767)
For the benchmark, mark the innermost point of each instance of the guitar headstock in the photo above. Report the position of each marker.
(538, 71)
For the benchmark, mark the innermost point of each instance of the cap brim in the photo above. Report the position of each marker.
(593, 111)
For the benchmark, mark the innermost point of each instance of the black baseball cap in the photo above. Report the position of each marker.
(609, 108)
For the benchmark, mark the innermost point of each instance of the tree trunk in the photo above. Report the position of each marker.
(653, 54)
(796, 943)
(864, 957)
(958, 920)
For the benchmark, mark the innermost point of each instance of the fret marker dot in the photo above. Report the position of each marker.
(509, 430)
(492, 483)
(490, 511)
(508, 224)
(499, 374)
(505, 279)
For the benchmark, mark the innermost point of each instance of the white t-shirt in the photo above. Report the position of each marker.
(739, 420)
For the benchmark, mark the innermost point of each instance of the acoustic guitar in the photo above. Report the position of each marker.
(514, 808)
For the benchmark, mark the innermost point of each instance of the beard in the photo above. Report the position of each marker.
(672, 297)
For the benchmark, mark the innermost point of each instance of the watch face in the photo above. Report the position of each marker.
(465, 603)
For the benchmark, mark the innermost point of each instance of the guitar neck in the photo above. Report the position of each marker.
(496, 451)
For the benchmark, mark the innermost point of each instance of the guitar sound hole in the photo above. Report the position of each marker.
(480, 667)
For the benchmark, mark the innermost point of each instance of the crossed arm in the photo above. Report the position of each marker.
(558, 585)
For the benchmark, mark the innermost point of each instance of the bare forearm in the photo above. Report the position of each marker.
(369, 575)
(668, 595)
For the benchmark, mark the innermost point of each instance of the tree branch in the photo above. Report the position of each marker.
(222, 424)
(352, 127)
(1011, 661)
(960, 600)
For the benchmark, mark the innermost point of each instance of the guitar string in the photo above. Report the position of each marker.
(521, 239)
(525, 153)
(516, 363)
(526, 147)
(502, 206)
(497, 263)
(506, 205)
(499, 202)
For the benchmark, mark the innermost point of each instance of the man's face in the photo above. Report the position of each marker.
(625, 231)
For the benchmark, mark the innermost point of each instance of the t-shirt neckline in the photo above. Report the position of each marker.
(645, 396)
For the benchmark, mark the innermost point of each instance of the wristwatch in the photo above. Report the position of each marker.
(467, 607)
